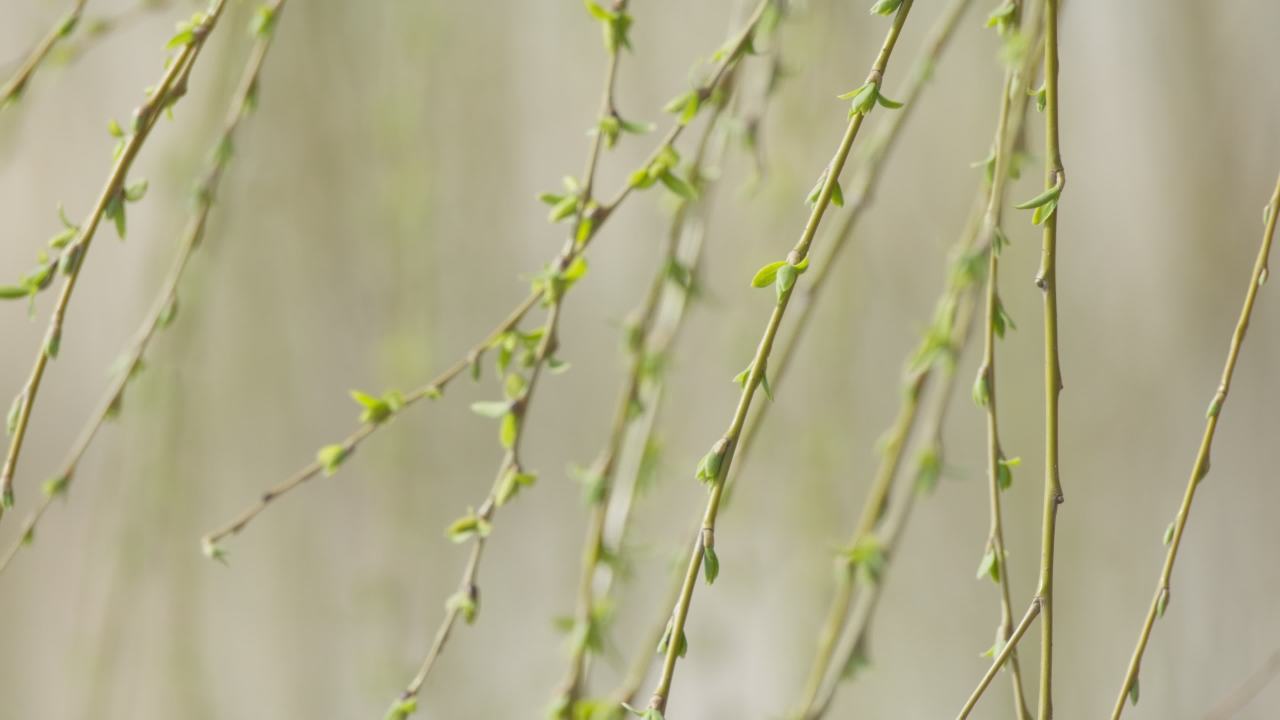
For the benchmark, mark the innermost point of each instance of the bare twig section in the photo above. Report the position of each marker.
(1200, 468)
(172, 86)
(1239, 699)
(783, 275)
(1047, 281)
(165, 306)
(590, 217)
(15, 85)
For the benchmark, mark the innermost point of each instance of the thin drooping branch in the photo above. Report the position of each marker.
(591, 217)
(859, 197)
(165, 307)
(1047, 281)
(851, 653)
(1200, 468)
(172, 86)
(648, 343)
(476, 526)
(996, 322)
(784, 276)
(15, 85)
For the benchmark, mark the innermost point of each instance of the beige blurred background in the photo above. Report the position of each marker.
(375, 222)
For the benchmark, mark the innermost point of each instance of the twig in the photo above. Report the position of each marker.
(169, 90)
(165, 306)
(1005, 653)
(1047, 281)
(16, 84)
(716, 464)
(999, 473)
(1200, 468)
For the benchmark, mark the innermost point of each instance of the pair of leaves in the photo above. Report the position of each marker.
(781, 274)
(990, 566)
(1044, 204)
(742, 377)
(509, 425)
(617, 25)
(612, 126)
(867, 96)
(708, 470)
(377, 409)
(512, 483)
(468, 526)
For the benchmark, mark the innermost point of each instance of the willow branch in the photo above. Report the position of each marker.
(15, 85)
(648, 343)
(1047, 281)
(169, 90)
(1200, 468)
(591, 217)
(999, 473)
(715, 466)
(162, 312)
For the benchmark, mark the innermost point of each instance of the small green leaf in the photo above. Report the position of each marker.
(467, 527)
(766, 275)
(1133, 692)
(513, 386)
(465, 603)
(512, 483)
(678, 186)
(13, 292)
(886, 7)
(57, 486)
(493, 410)
(508, 430)
(990, 566)
(981, 391)
(868, 555)
(331, 457)
(15, 410)
(785, 280)
(1043, 198)
(1168, 534)
(887, 103)
(928, 470)
(213, 551)
(1004, 472)
(375, 409)
(136, 191)
(709, 466)
(402, 709)
(1162, 602)
(710, 564)
(114, 129)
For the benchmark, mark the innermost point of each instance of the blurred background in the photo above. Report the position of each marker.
(380, 216)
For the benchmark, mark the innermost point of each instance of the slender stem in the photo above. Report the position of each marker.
(171, 87)
(1047, 281)
(726, 446)
(859, 196)
(432, 388)
(14, 86)
(652, 343)
(1005, 653)
(166, 300)
(598, 216)
(1002, 147)
(1200, 468)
